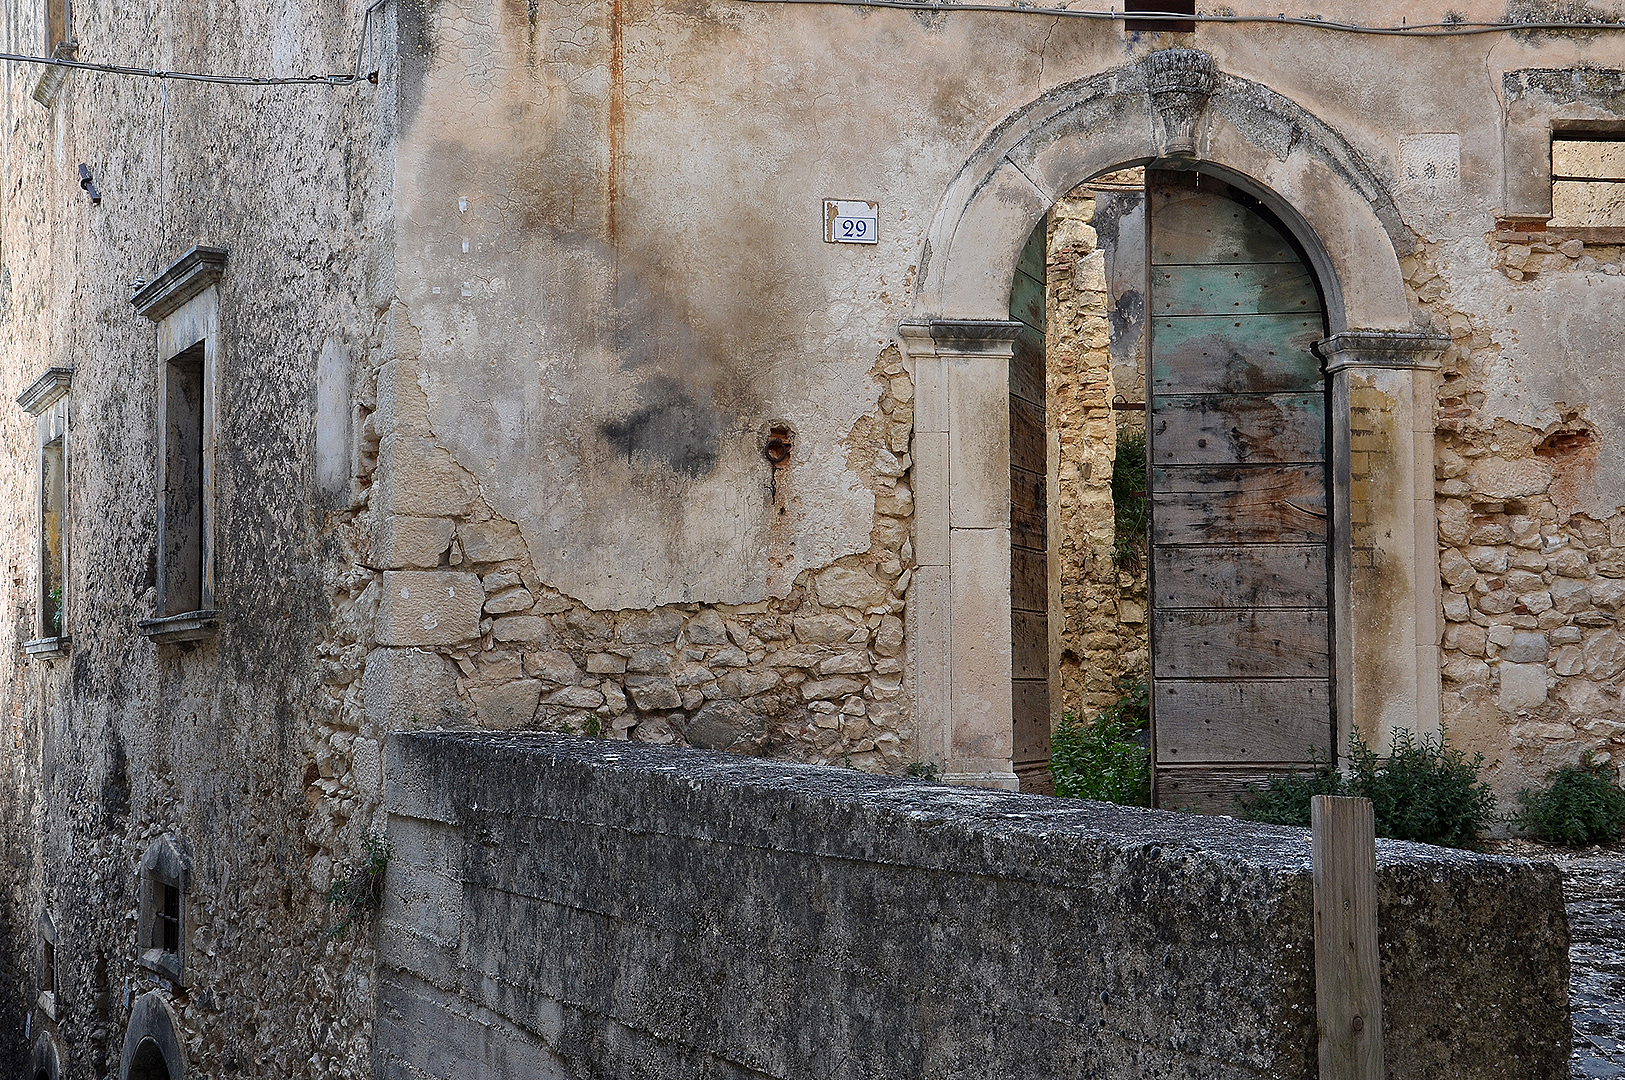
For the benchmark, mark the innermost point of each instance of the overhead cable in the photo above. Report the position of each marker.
(1427, 30)
(346, 79)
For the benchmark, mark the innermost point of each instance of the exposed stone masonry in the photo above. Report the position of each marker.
(1532, 594)
(1103, 606)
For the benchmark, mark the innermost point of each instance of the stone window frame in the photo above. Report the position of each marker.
(1543, 105)
(46, 399)
(184, 301)
(165, 874)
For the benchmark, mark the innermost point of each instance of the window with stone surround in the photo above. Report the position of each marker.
(1588, 180)
(162, 928)
(184, 301)
(46, 399)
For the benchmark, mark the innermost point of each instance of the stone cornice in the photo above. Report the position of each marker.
(46, 390)
(1394, 349)
(179, 282)
(961, 337)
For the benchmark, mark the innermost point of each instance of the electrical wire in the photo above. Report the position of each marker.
(1424, 30)
(346, 79)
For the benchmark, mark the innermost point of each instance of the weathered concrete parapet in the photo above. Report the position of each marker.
(959, 602)
(576, 908)
(1385, 550)
(1180, 82)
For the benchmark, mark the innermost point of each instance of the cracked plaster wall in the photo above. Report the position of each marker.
(565, 439)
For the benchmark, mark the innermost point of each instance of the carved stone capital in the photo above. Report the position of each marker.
(1391, 349)
(1180, 82)
(960, 337)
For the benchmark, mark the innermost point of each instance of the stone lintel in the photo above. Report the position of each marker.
(1392, 349)
(46, 390)
(179, 282)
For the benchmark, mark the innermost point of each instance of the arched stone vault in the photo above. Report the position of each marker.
(959, 343)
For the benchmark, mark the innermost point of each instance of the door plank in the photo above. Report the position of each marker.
(1250, 429)
(1238, 504)
(1028, 512)
(1029, 580)
(1029, 645)
(1027, 449)
(1235, 289)
(1234, 354)
(1027, 368)
(1191, 225)
(1254, 642)
(1248, 721)
(1213, 789)
(1254, 576)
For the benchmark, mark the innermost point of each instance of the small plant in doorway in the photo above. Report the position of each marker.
(1105, 759)
(1422, 790)
(1129, 520)
(1580, 804)
(360, 887)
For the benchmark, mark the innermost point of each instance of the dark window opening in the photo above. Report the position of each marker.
(47, 975)
(181, 584)
(167, 931)
(149, 1063)
(53, 550)
(1162, 7)
(1588, 180)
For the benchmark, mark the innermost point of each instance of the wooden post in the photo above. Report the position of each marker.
(1348, 973)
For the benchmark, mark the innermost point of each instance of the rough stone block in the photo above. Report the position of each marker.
(429, 607)
(408, 688)
(1523, 686)
(506, 704)
(417, 477)
(850, 586)
(493, 540)
(953, 933)
(401, 542)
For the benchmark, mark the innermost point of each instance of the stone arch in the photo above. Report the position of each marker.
(46, 1062)
(152, 1048)
(1172, 104)
(1243, 132)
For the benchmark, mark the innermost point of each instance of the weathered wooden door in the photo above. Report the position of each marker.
(1241, 634)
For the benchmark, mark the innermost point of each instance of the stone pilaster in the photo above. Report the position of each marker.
(959, 602)
(1385, 550)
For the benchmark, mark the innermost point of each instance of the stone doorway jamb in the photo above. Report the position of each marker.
(1385, 580)
(959, 613)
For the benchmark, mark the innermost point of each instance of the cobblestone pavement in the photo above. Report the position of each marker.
(1594, 887)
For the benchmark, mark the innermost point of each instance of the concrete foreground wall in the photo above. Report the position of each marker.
(565, 907)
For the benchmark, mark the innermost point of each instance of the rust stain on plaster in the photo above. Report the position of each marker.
(617, 117)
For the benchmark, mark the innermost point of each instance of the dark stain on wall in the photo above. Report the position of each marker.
(672, 427)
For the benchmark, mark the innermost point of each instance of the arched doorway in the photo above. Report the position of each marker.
(149, 1062)
(1239, 485)
(152, 1049)
(1382, 611)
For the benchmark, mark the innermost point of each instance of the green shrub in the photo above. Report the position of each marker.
(1284, 800)
(1423, 791)
(1102, 760)
(1128, 499)
(1580, 804)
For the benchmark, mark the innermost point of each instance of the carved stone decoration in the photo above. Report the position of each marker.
(1180, 82)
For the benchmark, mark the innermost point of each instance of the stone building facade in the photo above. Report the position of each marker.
(513, 383)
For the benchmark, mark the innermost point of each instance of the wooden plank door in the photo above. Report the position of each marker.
(1241, 634)
(1029, 524)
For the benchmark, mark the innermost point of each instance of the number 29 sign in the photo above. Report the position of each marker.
(850, 221)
